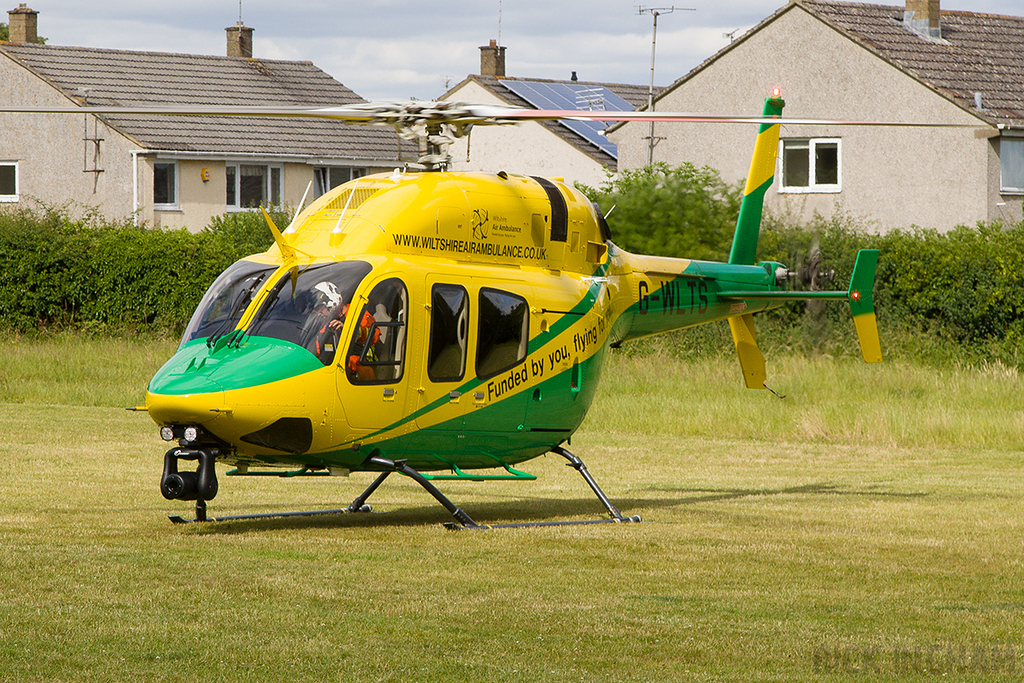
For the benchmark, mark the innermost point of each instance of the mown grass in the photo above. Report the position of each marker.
(866, 527)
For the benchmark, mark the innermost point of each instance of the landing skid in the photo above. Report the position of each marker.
(201, 515)
(462, 520)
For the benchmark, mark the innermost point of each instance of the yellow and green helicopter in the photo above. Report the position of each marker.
(444, 326)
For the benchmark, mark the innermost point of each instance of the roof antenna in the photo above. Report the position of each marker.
(239, 12)
(499, 22)
(655, 12)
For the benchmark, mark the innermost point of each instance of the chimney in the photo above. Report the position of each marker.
(22, 24)
(239, 40)
(492, 60)
(922, 17)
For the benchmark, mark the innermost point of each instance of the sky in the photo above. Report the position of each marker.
(403, 49)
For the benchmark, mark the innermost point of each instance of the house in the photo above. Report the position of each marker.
(573, 150)
(853, 61)
(173, 171)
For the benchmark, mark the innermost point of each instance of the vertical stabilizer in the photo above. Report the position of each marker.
(762, 173)
(862, 305)
(751, 359)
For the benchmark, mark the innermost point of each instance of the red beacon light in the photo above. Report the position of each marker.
(776, 93)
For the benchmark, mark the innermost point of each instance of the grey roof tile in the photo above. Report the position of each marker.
(977, 52)
(132, 78)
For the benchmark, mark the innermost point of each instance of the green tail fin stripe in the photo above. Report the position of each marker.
(760, 177)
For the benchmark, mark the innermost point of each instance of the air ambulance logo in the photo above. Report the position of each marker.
(480, 226)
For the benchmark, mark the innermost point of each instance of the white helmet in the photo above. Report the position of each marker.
(328, 295)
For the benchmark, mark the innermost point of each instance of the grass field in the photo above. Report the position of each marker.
(868, 526)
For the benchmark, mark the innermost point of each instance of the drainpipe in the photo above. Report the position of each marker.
(135, 186)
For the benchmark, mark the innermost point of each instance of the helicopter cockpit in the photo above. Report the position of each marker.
(307, 306)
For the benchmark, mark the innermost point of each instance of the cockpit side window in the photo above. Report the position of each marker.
(504, 332)
(226, 300)
(449, 323)
(308, 306)
(377, 352)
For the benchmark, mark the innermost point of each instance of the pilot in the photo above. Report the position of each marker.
(330, 311)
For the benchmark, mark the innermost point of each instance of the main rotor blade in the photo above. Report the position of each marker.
(685, 117)
(408, 114)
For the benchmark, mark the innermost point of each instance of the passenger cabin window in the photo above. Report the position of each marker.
(307, 306)
(503, 334)
(449, 322)
(377, 352)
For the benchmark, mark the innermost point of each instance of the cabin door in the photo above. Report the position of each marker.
(442, 404)
(373, 375)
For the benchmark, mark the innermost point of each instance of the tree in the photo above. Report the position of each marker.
(681, 211)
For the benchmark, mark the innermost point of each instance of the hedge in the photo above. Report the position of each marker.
(964, 287)
(86, 272)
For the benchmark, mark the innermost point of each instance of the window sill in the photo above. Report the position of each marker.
(9, 198)
(810, 190)
(163, 208)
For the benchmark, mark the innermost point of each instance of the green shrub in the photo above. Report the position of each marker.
(955, 297)
(59, 270)
(670, 211)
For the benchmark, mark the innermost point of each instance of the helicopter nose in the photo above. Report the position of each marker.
(196, 369)
(186, 408)
(236, 389)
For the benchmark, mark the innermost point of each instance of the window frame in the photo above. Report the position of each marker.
(10, 198)
(268, 190)
(812, 187)
(1003, 188)
(174, 204)
(322, 173)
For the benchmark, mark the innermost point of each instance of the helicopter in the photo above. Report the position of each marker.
(445, 325)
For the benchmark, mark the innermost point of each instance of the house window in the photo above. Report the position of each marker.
(811, 165)
(250, 186)
(326, 178)
(8, 181)
(1011, 165)
(165, 185)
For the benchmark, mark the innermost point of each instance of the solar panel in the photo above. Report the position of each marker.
(584, 97)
